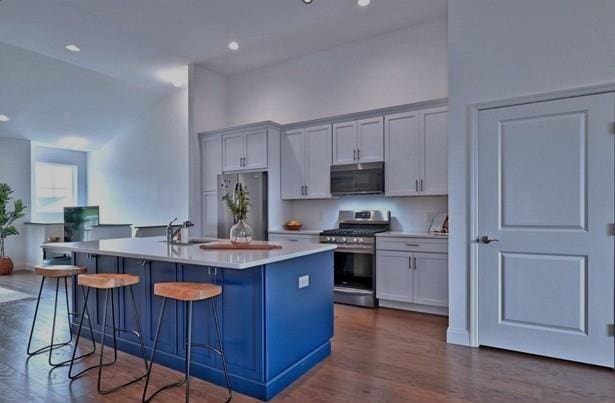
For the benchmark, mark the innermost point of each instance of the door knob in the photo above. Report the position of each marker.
(486, 240)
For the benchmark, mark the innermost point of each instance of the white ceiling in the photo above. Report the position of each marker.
(126, 43)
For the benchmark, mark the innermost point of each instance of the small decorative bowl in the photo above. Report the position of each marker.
(293, 227)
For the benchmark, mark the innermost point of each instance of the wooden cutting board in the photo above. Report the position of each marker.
(232, 246)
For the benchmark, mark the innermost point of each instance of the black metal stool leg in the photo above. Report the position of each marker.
(144, 398)
(38, 301)
(138, 323)
(189, 351)
(218, 333)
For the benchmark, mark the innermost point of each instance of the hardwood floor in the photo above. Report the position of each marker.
(378, 356)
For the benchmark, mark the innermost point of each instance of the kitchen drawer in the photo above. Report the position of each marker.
(307, 238)
(412, 244)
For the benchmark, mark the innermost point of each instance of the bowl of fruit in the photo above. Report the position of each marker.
(293, 225)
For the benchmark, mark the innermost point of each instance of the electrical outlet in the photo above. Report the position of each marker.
(304, 281)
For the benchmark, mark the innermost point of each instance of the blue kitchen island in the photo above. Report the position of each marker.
(276, 309)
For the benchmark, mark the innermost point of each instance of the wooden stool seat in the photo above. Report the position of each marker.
(107, 280)
(58, 271)
(187, 291)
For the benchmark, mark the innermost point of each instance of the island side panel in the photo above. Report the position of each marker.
(299, 318)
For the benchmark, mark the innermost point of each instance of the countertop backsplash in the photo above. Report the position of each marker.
(408, 213)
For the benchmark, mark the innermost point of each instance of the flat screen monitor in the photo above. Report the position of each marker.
(79, 221)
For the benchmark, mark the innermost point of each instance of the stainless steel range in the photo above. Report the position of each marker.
(355, 256)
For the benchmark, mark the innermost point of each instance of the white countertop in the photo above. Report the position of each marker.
(156, 249)
(410, 234)
(299, 232)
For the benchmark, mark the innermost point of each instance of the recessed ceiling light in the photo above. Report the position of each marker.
(72, 48)
(233, 45)
(73, 142)
(4, 118)
(363, 3)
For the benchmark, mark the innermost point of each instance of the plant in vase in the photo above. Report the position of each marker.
(7, 218)
(238, 203)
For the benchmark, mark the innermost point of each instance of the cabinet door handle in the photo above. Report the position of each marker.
(306, 190)
(354, 155)
(414, 262)
(421, 185)
(416, 185)
(359, 155)
(410, 262)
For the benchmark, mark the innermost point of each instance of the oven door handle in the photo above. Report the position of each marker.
(363, 250)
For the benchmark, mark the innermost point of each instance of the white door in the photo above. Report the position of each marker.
(232, 152)
(211, 149)
(431, 279)
(318, 164)
(292, 163)
(546, 193)
(210, 214)
(434, 128)
(256, 150)
(402, 153)
(344, 143)
(394, 276)
(370, 140)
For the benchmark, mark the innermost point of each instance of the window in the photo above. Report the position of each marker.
(55, 187)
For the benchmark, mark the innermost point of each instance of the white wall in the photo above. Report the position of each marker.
(408, 213)
(141, 177)
(15, 171)
(207, 95)
(402, 67)
(500, 49)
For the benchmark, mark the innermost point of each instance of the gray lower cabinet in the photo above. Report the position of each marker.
(408, 278)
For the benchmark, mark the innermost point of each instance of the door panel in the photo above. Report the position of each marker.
(232, 152)
(210, 214)
(318, 167)
(546, 192)
(371, 139)
(293, 164)
(431, 279)
(394, 276)
(211, 148)
(402, 153)
(434, 127)
(344, 143)
(256, 150)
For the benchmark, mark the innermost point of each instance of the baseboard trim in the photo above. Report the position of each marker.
(434, 310)
(458, 336)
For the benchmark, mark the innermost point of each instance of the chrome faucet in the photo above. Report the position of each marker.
(171, 233)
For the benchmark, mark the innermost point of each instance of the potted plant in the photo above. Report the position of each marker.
(7, 218)
(239, 203)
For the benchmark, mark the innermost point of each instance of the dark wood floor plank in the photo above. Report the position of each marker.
(378, 356)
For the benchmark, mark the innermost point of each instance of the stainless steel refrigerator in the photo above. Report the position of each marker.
(256, 185)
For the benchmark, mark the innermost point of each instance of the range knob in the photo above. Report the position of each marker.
(331, 239)
(344, 240)
(355, 240)
(361, 240)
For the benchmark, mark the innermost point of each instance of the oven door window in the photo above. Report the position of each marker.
(354, 270)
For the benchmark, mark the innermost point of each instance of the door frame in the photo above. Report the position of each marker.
(474, 110)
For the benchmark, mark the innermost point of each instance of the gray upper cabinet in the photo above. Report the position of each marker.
(416, 153)
(244, 150)
(358, 141)
(306, 163)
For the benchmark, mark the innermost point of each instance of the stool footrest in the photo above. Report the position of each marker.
(207, 346)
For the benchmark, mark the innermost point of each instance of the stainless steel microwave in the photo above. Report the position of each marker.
(355, 179)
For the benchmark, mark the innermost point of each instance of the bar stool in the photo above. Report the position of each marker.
(109, 282)
(188, 293)
(57, 272)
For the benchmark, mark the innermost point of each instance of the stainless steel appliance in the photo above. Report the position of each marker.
(256, 185)
(352, 179)
(355, 256)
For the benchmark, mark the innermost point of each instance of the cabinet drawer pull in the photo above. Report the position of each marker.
(292, 240)
(414, 245)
